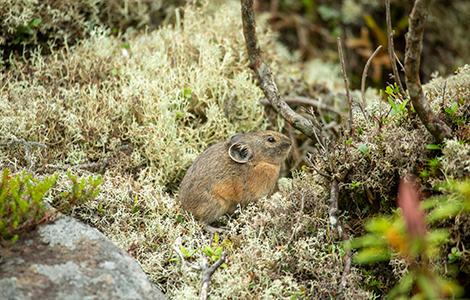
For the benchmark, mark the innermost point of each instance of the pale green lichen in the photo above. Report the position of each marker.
(455, 161)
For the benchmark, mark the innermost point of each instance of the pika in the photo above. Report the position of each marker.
(229, 173)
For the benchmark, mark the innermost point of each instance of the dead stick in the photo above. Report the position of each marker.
(263, 73)
(306, 101)
(27, 147)
(207, 274)
(336, 224)
(391, 49)
(343, 70)
(297, 222)
(364, 75)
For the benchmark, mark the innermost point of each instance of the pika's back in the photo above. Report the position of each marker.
(233, 172)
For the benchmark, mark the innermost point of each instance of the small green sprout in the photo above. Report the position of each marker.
(454, 255)
(363, 148)
(452, 110)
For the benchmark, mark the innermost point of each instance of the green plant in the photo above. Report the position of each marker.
(454, 255)
(432, 169)
(393, 96)
(353, 185)
(453, 108)
(215, 250)
(405, 234)
(363, 148)
(20, 202)
(81, 192)
(24, 32)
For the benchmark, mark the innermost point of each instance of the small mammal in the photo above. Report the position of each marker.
(229, 173)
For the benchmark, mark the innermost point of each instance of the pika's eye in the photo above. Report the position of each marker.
(271, 140)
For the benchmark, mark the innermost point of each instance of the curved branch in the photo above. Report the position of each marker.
(306, 101)
(391, 49)
(414, 45)
(265, 76)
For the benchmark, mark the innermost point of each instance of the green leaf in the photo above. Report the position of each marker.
(403, 105)
(433, 147)
(363, 148)
(373, 254)
(403, 287)
(446, 210)
(183, 249)
(35, 22)
(209, 249)
(15, 238)
(454, 107)
(23, 205)
(429, 288)
(438, 236)
(379, 225)
(191, 253)
(218, 252)
(369, 240)
(392, 103)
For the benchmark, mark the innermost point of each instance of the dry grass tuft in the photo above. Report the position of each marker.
(160, 95)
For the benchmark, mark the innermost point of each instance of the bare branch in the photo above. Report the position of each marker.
(265, 76)
(207, 272)
(306, 101)
(176, 247)
(391, 49)
(364, 75)
(343, 70)
(414, 45)
(27, 147)
(296, 227)
(101, 165)
(336, 224)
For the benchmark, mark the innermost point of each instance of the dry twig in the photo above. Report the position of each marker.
(101, 165)
(364, 75)
(27, 147)
(336, 224)
(414, 44)
(296, 227)
(265, 76)
(306, 101)
(391, 49)
(207, 272)
(343, 70)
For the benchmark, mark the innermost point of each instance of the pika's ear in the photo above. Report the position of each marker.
(240, 153)
(235, 136)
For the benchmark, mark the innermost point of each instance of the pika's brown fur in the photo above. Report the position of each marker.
(233, 172)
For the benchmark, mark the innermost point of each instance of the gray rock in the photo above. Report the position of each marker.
(68, 260)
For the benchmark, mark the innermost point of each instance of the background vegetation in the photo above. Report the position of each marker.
(109, 91)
